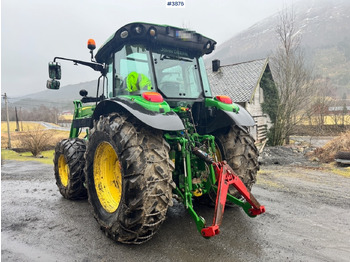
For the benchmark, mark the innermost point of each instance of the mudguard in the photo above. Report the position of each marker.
(166, 121)
(223, 118)
(243, 118)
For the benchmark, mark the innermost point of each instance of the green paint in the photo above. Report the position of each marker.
(80, 112)
(162, 107)
(213, 102)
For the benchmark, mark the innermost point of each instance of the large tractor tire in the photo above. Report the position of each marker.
(128, 173)
(69, 168)
(237, 147)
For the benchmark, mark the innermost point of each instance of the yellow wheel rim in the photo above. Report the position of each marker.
(218, 154)
(63, 170)
(107, 177)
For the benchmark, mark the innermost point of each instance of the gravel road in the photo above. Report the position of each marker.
(307, 219)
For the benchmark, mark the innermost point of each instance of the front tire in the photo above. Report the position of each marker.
(69, 168)
(128, 175)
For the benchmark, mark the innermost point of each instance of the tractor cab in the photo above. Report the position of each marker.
(143, 57)
(152, 71)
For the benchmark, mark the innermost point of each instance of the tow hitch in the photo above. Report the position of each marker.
(221, 176)
(226, 177)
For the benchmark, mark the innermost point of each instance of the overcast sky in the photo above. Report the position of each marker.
(35, 31)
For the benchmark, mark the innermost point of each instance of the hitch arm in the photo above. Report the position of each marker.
(226, 177)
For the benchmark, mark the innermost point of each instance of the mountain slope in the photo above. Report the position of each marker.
(324, 26)
(61, 98)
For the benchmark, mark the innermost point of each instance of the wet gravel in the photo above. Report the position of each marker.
(307, 219)
(280, 155)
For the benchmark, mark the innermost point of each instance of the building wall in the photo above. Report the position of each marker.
(262, 120)
(254, 107)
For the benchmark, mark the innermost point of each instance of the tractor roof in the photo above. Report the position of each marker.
(157, 37)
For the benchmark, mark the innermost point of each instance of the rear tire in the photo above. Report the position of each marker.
(69, 168)
(237, 147)
(128, 173)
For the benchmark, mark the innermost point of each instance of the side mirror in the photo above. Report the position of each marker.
(53, 84)
(54, 70)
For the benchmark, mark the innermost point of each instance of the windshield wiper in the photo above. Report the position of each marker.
(162, 57)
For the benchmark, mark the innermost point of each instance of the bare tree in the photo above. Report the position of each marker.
(293, 79)
(322, 102)
(36, 141)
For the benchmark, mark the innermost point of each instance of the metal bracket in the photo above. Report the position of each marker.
(225, 178)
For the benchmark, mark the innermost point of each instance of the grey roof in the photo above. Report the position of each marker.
(237, 81)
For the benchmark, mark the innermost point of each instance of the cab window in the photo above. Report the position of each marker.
(177, 77)
(133, 71)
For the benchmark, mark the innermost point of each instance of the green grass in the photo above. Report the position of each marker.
(27, 156)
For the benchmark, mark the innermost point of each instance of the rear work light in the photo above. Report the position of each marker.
(224, 99)
(153, 97)
(152, 32)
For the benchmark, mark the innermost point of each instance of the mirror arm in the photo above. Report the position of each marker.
(95, 66)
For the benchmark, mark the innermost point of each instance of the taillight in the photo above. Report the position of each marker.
(153, 97)
(224, 99)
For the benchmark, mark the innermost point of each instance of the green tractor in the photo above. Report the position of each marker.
(154, 133)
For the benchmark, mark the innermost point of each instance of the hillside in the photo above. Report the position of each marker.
(61, 98)
(325, 29)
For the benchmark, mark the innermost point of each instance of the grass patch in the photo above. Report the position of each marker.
(263, 181)
(27, 156)
(16, 137)
(25, 125)
(266, 178)
(345, 172)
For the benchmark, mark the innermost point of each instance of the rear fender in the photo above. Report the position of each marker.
(242, 118)
(228, 118)
(163, 121)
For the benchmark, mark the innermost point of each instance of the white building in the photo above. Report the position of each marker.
(242, 82)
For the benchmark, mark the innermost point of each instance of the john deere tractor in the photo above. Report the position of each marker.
(154, 133)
